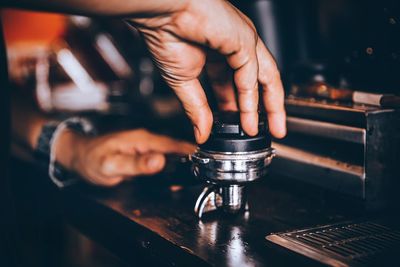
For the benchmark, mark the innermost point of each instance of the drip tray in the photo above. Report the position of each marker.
(344, 244)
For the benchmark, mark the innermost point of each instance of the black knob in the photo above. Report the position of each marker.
(227, 135)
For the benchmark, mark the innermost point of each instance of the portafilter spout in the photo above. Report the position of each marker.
(228, 161)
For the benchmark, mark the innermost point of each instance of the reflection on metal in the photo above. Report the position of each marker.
(326, 129)
(345, 148)
(75, 70)
(342, 244)
(206, 201)
(236, 255)
(43, 90)
(228, 237)
(106, 48)
(228, 161)
(81, 93)
(341, 176)
(80, 21)
(227, 173)
(309, 158)
(239, 167)
(229, 198)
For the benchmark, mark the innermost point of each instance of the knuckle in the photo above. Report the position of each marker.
(252, 37)
(275, 76)
(268, 76)
(246, 84)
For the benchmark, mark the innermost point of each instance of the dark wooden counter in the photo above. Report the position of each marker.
(146, 222)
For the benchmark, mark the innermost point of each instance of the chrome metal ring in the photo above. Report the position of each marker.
(217, 167)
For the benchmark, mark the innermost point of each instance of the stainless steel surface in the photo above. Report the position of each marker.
(231, 199)
(344, 148)
(206, 201)
(326, 129)
(323, 171)
(219, 167)
(227, 173)
(342, 244)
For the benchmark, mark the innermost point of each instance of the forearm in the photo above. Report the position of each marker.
(114, 8)
(27, 124)
(27, 121)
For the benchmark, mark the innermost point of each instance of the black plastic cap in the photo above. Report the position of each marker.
(227, 135)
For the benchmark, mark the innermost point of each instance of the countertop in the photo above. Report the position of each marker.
(151, 222)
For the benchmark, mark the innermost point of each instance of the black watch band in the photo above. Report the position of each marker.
(46, 155)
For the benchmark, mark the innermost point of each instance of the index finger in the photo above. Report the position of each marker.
(144, 142)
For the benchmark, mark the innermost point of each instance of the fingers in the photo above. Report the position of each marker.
(252, 63)
(164, 144)
(107, 181)
(123, 155)
(122, 165)
(142, 141)
(247, 88)
(273, 93)
(196, 106)
(245, 67)
(180, 64)
(242, 58)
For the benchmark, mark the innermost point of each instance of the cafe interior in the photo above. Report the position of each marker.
(324, 195)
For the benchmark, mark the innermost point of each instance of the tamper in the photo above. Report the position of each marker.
(228, 161)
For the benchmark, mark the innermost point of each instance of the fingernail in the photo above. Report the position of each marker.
(277, 125)
(153, 162)
(251, 123)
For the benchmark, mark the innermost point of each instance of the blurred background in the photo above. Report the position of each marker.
(70, 65)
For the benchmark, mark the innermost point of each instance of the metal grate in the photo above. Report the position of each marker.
(343, 244)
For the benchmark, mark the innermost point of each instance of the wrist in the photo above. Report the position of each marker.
(68, 149)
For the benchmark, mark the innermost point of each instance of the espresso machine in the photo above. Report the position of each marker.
(340, 68)
(339, 61)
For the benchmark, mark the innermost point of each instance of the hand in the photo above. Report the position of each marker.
(110, 159)
(177, 39)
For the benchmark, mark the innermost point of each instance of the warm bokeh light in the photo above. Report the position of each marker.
(33, 28)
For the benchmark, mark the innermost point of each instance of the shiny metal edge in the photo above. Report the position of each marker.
(311, 168)
(327, 129)
(234, 155)
(306, 251)
(308, 158)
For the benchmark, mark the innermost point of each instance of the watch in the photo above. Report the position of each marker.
(45, 150)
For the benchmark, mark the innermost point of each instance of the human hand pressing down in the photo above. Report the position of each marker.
(178, 36)
(177, 33)
(113, 158)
